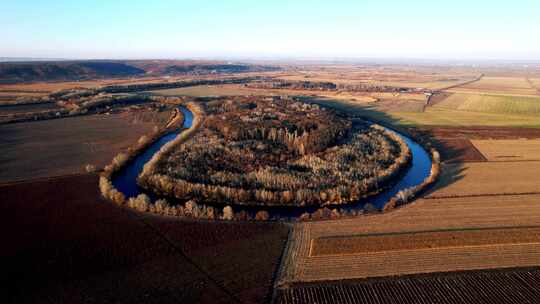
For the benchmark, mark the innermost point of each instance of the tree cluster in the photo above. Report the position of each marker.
(248, 162)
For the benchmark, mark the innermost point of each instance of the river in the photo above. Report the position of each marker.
(125, 180)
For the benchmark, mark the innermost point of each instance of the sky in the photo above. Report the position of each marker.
(121, 29)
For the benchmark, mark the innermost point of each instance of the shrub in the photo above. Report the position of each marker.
(141, 202)
(162, 206)
(228, 213)
(119, 160)
(90, 168)
(262, 216)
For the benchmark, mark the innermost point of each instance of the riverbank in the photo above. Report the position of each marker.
(421, 173)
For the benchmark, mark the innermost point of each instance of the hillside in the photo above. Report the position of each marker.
(16, 72)
(61, 71)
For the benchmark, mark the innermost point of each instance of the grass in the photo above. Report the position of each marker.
(491, 104)
(436, 116)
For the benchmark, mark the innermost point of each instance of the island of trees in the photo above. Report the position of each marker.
(277, 152)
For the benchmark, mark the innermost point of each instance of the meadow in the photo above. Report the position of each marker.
(434, 116)
(496, 104)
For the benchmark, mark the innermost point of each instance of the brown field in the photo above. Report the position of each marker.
(473, 218)
(487, 179)
(457, 150)
(488, 286)
(477, 216)
(499, 85)
(63, 243)
(45, 88)
(16, 109)
(399, 241)
(509, 150)
(482, 132)
(399, 76)
(221, 90)
(65, 146)
(425, 214)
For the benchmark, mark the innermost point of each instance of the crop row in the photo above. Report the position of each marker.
(501, 286)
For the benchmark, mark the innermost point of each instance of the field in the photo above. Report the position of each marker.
(65, 146)
(63, 243)
(400, 76)
(495, 286)
(222, 90)
(509, 149)
(457, 150)
(435, 239)
(458, 213)
(434, 116)
(15, 109)
(457, 179)
(491, 104)
(481, 214)
(472, 237)
(499, 85)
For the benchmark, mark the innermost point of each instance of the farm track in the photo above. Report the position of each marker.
(499, 286)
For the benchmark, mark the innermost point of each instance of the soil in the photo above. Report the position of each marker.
(515, 285)
(64, 244)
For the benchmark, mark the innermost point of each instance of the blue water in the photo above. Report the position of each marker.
(419, 170)
(125, 180)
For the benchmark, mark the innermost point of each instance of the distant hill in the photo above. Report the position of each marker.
(59, 71)
(215, 68)
(14, 72)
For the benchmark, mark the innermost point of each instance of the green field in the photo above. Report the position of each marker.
(445, 115)
(491, 104)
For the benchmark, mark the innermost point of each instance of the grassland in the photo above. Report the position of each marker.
(491, 104)
(434, 116)
(65, 146)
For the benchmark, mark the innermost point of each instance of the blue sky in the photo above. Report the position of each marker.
(457, 29)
